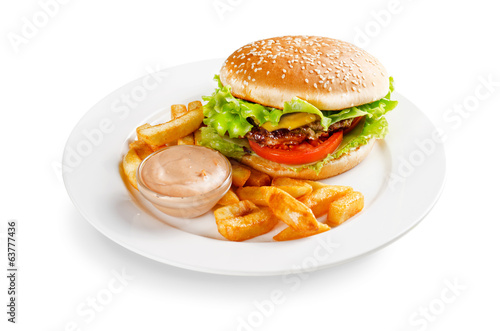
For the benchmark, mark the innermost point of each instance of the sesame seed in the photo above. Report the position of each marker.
(307, 80)
(267, 73)
(283, 76)
(284, 70)
(315, 85)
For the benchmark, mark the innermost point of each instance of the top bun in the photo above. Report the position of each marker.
(328, 73)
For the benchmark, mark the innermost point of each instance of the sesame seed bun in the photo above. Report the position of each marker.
(328, 73)
(332, 168)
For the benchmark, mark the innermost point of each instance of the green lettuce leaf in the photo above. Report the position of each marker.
(297, 105)
(210, 138)
(226, 114)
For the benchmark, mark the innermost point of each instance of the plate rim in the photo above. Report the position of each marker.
(139, 251)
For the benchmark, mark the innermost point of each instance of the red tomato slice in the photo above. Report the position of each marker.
(300, 154)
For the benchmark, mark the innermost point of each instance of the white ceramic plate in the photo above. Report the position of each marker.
(401, 180)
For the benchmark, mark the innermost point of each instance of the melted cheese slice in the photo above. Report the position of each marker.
(291, 121)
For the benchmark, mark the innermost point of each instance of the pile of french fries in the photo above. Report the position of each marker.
(255, 204)
(182, 129)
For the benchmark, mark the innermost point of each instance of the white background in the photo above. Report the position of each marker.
(438, 54)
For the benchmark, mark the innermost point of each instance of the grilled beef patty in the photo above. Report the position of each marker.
(309, 132)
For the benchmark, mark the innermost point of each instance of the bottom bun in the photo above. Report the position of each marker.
(330, 169)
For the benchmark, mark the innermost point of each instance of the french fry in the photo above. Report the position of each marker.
(316, 185)
(291, 211)
(194, 105)
(155, 148)
(130, 164)
(320, 199)
(197, 137)
(171, 131)
(294, 187)
(296, 191)
(258, 178)
(344, 208)
(258, 195)
(290, 233)
(187, 140)
(144, 126)
(178, 110)
(244, 220)
(141, 148)
(240, 173)
(229, 198)
(285, 181)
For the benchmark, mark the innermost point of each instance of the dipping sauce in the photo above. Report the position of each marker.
(184, 171)
(184, 180)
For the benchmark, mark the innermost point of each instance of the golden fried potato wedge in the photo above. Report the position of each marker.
(229, 198)
(258, 178)
(240, 173)
(178, 110)
(244, 220)
(258, 195)
(344, 208)
(291, 211)
(187, 140)
(155, 148)
(197, 137)
(130, 164)
(171, 131)
(315, 185)
(290, 233)
(241, 208)
(144, 126)
(285, 181)
(194, 105)
(141, 148)
(296, 191)
(319, 200)
(294, 187)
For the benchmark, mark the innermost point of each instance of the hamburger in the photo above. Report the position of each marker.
(298, 106)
